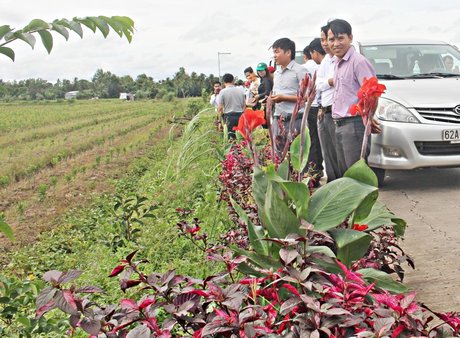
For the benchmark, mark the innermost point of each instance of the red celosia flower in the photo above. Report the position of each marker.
(359, 227)
(249, 121)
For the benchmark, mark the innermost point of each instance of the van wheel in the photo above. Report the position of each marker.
(380, 173)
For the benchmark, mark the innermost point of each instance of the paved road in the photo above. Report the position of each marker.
(429, 200)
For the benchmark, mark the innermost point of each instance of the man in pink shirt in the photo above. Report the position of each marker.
(350, 70)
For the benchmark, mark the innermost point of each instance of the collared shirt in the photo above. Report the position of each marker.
(214, 101)
(311, 66)
(324, 92)
(349, 73)
(233, 100)
(286, 81)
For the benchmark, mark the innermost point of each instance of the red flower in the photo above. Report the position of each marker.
(368, 94)
(249, 121)
(359, 227)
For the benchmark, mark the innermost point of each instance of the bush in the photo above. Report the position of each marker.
(169, 97)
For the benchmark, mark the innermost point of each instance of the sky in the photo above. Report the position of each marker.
(182, 33)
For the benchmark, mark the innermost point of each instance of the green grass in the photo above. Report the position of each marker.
(167, 177)
(83, 241)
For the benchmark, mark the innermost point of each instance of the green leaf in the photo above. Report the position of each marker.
(115, 24)
(299, 194)
(380, 216)
(248, 270)
(27, 37)
(321, 249)
(127, 25)
(262, 261)
(382, 280)
(281, 220)
(5, 228)
(283, 170)
(399, 225)
(47, 40)
(295, 151)
(60, 29)
(4, 30)
(365, 207)
(88, 23)
(360, 171)
(8, 52)
(351, 244)
(101, 25)
(36, 25)
(259, 187)
(76, 27)
(256, 234)
(331, 204)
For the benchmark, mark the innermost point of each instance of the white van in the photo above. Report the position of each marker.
(420, 110)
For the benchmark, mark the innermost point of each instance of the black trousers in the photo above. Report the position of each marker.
(231, 120)
(315, 158)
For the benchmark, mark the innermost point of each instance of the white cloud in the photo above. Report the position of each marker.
(174, 33)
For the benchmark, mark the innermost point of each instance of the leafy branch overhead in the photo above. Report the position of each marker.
(122, 25)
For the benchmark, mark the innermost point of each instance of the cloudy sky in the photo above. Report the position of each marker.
(184, 33)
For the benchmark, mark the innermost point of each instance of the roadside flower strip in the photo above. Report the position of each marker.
(368, 95)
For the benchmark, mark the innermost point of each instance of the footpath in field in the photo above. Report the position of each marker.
(428, 200)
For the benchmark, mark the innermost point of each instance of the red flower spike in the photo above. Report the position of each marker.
(249, 121)
(368, 94)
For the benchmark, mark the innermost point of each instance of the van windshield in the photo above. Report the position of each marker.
(417, 60)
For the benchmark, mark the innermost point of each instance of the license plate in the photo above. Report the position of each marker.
(451, 135)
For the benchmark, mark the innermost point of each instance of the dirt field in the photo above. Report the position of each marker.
(77, 180)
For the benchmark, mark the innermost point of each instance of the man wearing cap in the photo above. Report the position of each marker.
(285, 86)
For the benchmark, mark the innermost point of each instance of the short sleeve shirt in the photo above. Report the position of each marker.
(233, 99)
(286, 81)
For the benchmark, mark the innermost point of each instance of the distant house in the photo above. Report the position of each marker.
(127, 96)
(71, 95)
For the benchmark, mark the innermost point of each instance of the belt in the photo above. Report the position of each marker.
(344, 120)
(327, 109)
(288, 117)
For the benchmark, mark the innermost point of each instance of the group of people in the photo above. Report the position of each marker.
(336, 135)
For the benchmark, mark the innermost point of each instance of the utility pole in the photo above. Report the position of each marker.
(218, 60)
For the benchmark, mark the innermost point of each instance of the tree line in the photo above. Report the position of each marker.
(105, 84)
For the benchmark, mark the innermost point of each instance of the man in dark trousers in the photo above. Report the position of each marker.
(231, 104)
(350, 70)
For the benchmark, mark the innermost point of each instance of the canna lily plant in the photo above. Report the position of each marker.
(347, 208)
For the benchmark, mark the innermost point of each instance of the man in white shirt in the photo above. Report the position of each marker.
(214, 101)
(315, 158)
(324, 94)
(309, 64)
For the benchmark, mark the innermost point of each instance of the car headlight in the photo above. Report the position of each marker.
(388, 110)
